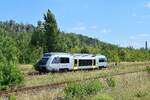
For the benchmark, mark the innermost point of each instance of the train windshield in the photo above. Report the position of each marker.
(43, 61)
(102, 60)
(47, 55)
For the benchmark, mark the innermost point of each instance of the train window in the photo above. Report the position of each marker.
(85, 62)
(102, 60)
(56, 60)
(64, 60)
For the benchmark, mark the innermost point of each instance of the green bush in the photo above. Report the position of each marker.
(12, 97)
(111, 82)
(148, 69)
(9, 74)
(75, 90)
(102, 97)
(30, 55)
(81, 90)
(140, 93)
(92, 87)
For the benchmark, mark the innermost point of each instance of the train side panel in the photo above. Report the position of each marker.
(60, 62)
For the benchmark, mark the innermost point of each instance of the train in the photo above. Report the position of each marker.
(68, 61)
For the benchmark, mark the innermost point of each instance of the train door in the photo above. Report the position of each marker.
(76, 64)
(94, 63)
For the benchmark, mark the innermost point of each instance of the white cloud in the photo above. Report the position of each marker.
(139, 22)
(147, 5)
(138, 40)
(143, 35)
(93, 27)
(80, 28)
(132, 37)
(105, 30)
(124, 43)
(139, 36)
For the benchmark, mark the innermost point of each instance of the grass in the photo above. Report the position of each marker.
(133, 86)
(77, 75)
(42, 95)
(26, 68)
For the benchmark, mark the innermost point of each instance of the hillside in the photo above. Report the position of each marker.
(33, 41)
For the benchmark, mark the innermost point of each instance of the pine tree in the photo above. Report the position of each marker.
(51, 31)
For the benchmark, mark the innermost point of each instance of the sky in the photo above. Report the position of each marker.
(121, 22)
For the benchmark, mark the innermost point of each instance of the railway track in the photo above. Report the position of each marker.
(55, 85)
(34, 73)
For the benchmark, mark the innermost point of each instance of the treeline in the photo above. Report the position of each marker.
(32, 41)
(13, 27)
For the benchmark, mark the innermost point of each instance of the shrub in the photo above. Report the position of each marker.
(81, 90)
(93, 87)
(140, 94)
(9, 73)
(148, 69)
(9, 76)
(30, 55)
(12, 97)
(111, 82)
(102, 97)
(75, 90)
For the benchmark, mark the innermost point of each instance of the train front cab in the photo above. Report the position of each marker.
(41, 65)
(101, 62)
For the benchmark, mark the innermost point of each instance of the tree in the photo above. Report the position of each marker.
(85, 50)
(9, 73)
(122, 54)
(38, 37)
(51, 31)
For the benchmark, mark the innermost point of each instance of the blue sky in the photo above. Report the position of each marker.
(121, 22)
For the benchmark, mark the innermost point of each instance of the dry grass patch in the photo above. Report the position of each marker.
(77, 75)
(42, 95)
(131, 87)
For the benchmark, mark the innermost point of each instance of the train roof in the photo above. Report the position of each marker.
(76, 55)
(57, 53)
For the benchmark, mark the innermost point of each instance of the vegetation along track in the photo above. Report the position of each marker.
(56, 85)
(111, 66)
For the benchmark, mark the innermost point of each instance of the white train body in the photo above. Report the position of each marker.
(67, 61)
